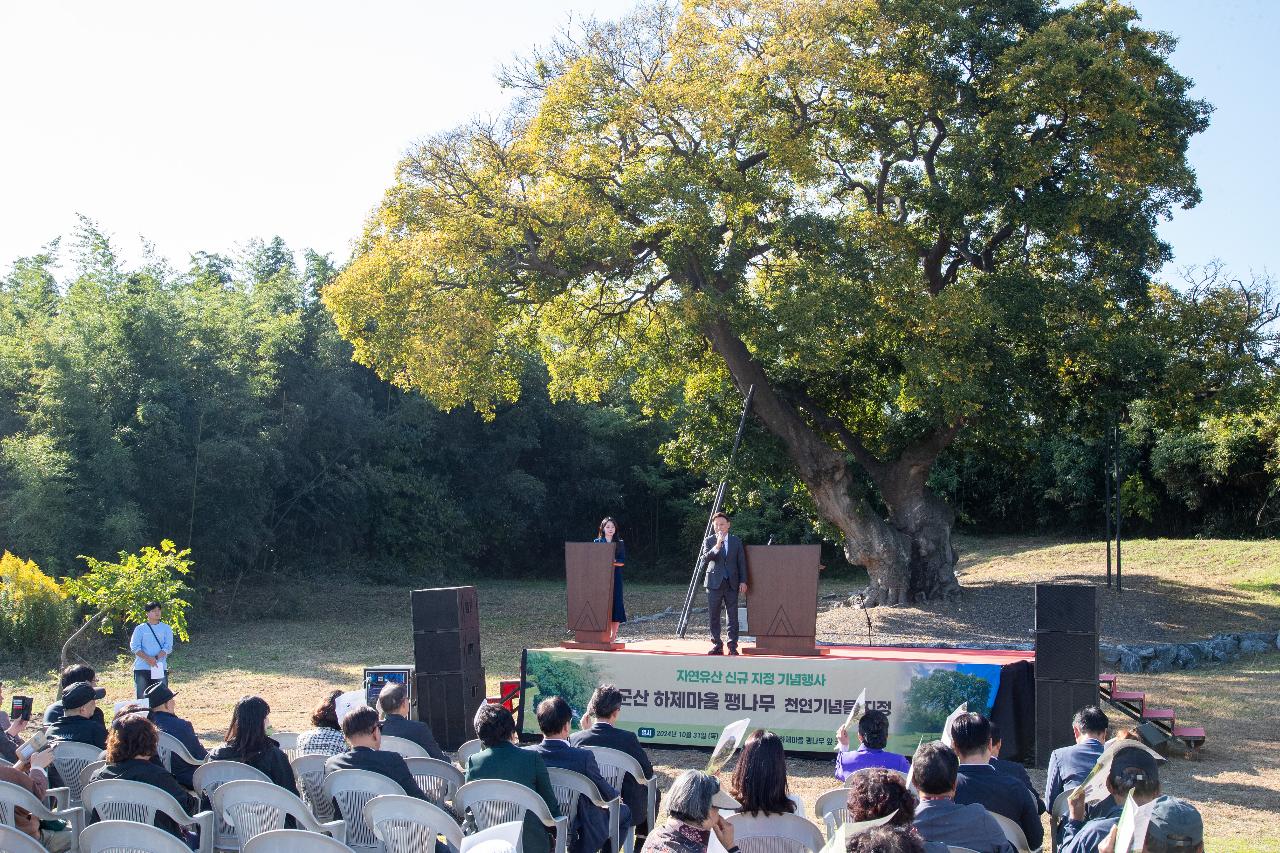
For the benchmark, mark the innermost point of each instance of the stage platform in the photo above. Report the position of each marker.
(676, 694)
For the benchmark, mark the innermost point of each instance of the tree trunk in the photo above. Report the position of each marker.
(89, 623)
(926, 520)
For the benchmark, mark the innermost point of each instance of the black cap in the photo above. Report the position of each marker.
(157, 694)
(80, 694)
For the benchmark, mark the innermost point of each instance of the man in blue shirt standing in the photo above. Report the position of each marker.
(151, 644)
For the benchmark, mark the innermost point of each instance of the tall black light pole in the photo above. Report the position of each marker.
(1119, 511)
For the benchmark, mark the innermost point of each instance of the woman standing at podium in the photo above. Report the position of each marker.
(608, 532)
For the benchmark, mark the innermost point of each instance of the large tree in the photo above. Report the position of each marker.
(896, 219)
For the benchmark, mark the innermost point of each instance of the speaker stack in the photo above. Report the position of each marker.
(446, 652)
(1067, 629)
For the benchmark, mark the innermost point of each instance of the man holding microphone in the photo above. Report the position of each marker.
(725, 580)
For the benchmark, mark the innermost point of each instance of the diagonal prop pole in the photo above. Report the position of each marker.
(683, 625)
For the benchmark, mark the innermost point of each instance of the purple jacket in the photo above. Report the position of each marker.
(850, 762)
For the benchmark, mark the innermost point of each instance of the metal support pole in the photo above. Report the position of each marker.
(1119, 511)
(1106, 500)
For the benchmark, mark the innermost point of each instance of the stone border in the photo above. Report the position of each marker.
(1163, 657)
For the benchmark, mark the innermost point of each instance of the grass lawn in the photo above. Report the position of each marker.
(313, 635)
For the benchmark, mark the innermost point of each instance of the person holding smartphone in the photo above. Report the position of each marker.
(29, 773)
(11, 728)
(151, 644)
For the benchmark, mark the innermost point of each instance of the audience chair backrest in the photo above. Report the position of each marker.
(494, 801)
(467, 750)
(115, 836)
(309, 771)
(404, 746)
(288, 743)
(168, 746)
(70, 757)
(832, 808)
(294, 841)
(121, 799)
(206, 781)
(615, 764)
(350, 790)
(1058, 811)
(570, 787)
(408, 825)
(438, 779)
(785, 833)
(86, 775)
(14, 840)
(500, 838)
(13, 796)
(1012, 832)
(251, 808)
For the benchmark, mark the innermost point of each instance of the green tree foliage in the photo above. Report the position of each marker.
(900, 221)
(930, 700)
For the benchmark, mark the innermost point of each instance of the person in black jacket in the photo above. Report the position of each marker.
(247, 742)
(394, 702)
(604, 709)
(164, 715)
(981, 783)
(364, 733)
(130, 748)
(71, 675)
(79, 722)
(1012, 768)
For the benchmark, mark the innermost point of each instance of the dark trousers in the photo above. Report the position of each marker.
(726, 596)
(142, 680)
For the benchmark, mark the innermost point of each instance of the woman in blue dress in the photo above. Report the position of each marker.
(608, 532)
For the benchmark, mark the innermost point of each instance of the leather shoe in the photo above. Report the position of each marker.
(733, 651)
(716, 650)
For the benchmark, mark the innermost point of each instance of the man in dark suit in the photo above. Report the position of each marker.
(726, 579)
(591, 823)
(164, 714)
(1069, 765)
(606, 705)
(394, 702)
(981, 783)
(364, 734)
(502, 759)
(939, 817)
(1012, 768)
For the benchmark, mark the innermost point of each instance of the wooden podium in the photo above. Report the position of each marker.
(782, 599)
(588, 572)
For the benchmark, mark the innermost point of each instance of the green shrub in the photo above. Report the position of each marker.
(35, 614)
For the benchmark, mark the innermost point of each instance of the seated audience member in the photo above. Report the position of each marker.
(591, 823)
(873, 735)
(692, 817)
(164, 713)
(79, 722)
(364, 733)
(886, 839)
(980, 783)
(502, 759)
(1069, 765)
(759, 781)
(877, 791)
(1132, 769)
(604, 709)
(32, 776)
(394, 702)
(75, 673)
(247, 742)
(325, 736)
(130, 748)
(1175, 827)
(938, 817)
(1012, 768)
(9, 729)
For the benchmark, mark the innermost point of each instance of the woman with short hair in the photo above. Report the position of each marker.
(691, 806)
(325, 736)
(875, 792)
(131, 744)
(502, 759)
(248, 741)
(760, 780)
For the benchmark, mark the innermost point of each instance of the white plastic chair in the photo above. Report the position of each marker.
(86, 775)
(71, 757)
(438, 779)
(1058, 812)
(252, 808)
(404, 824)
(294, 841)
(832, 808)
(502, 838)
(569, 786)
(614, 765)
(404, 746)
(467, 750)
(783, 833)
(288, 743)
(308, 770)
(115, 836)
(494, 801)
(350, 790)
(14, 840)
(169, 746)
(206, 781)
(1012, 832)
(14, 796)
(120, 799)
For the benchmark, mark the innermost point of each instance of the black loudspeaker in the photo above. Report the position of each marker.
(446, 651)
(1056, 704)
(1066, 656)
(450, 608)
(1066, 607)
(447, 702)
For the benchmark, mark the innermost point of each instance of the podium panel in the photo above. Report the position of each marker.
(588, 571)
(782, 598)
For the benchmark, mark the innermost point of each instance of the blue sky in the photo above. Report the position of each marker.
(200, 126)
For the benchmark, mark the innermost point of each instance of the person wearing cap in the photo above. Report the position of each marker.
(693, 805)
(1175, 827)
(78, 721)
(979, 782)
(1134, 769)
(70, 675)
(151, 644)
(1069, 765)
(164, 713)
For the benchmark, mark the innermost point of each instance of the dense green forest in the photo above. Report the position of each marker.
(216, 405)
